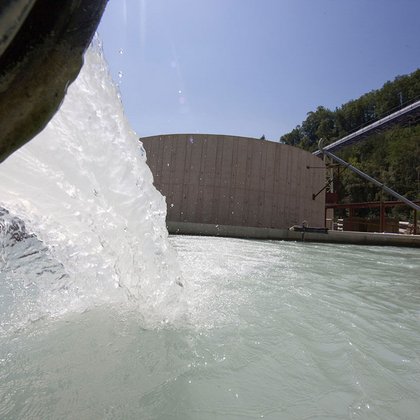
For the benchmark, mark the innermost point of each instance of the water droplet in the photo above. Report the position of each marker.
(172, 204)
(121, 51)
(120, 74)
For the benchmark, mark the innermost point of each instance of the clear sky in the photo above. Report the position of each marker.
(252, 67)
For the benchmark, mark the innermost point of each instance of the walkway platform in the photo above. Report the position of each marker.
(331, 236)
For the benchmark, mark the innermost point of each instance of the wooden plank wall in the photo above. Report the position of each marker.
(237, 181)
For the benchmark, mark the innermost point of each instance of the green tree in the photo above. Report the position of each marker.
(392, 157)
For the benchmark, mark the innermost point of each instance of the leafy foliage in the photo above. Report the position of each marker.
(392, 157)
(354, 114)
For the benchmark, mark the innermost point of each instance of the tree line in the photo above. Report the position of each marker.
(392, 157)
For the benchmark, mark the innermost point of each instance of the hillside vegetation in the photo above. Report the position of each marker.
(392, 157)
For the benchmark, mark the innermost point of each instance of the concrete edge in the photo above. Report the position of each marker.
(355, 238)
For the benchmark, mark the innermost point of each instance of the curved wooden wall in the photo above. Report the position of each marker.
(238, 181)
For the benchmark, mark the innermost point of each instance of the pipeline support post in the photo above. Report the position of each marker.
(368, 178)
(382, 186)
(382, 226)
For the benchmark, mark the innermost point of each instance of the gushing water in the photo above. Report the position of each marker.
(269, 330)
(83, 188)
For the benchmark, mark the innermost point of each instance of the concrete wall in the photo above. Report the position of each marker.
(236, 181)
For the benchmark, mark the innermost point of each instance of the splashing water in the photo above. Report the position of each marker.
(83, 188)
(273, 329)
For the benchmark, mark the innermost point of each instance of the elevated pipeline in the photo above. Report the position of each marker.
(367, 177)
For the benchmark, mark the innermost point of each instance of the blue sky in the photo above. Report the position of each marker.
(252, 67)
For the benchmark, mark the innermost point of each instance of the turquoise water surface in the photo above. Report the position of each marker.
(274, 330)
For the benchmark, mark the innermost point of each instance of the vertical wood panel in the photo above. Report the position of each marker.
(237, 181)
(226, 179)
(269, 184)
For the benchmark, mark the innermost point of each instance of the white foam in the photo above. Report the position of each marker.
(84, 188)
